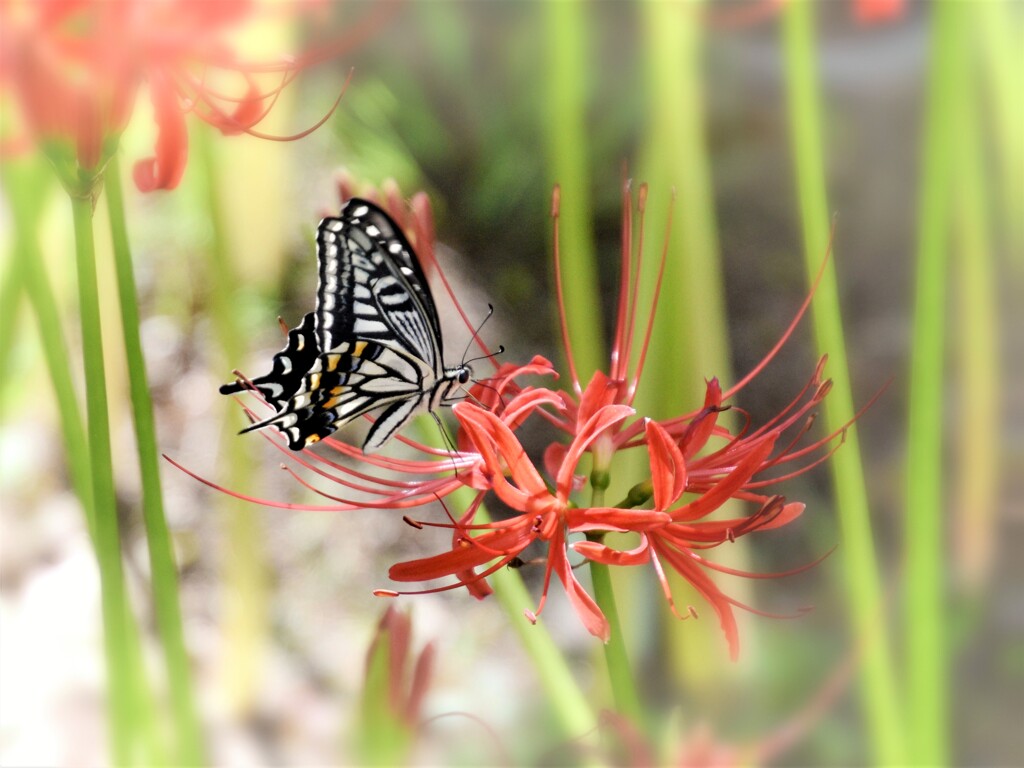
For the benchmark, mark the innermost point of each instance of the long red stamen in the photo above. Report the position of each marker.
(654, 299)
(556, 196)
(634, 298)
(790, 328)
(223, 118)
(255, 500)
(620, 348)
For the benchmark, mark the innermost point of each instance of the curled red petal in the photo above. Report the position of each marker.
(498, 445)
(604, 418)
(599, 392)
(470, 553)
(247, 114)
(586, 607)
(668, 467)
(165, 169)
(602, 553)
(724, 489)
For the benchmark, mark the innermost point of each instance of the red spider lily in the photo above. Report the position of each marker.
(545, 514)
(679, 542)
(682, 458)
(75, 66)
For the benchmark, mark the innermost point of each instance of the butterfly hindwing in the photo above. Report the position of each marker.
(288, 368)
(359, 376)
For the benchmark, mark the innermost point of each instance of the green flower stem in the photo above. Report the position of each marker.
(246, 609)
(620, 673)
(878, 682)
(979, 340)
(119, 652)
(571, 708)
(1002, 29)
(26, 184)
(566, 138)
(10, 303)
(161, 553)
(690, 339)
(926, 573)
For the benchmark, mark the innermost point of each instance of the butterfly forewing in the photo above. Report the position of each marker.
(372, 287)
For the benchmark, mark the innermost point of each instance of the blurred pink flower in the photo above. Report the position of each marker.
(74, 68)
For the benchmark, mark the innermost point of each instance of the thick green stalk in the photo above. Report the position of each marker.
(863, 585)
(10, 303)
(245, 614)
(1001, 25)
(571, 708)
(978, 450)
(564, 121)
(26, 185)
(926, 573)
(161, 553)
(620, 673)
(690, 339)
(107, 537)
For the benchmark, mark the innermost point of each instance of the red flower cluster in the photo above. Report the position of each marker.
(74, 68)
(695, 464)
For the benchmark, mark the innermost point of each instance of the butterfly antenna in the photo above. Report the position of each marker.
(476, 336)
(499, 351)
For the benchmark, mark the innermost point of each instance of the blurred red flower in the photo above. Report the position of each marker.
(74, 68)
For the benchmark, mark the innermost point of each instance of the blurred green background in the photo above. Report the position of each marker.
(485, 106)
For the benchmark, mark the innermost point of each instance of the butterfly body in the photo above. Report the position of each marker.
(374, 341)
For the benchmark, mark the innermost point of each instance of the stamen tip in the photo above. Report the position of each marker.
(385, 593)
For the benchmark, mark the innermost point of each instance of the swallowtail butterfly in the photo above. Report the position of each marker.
(374, 340)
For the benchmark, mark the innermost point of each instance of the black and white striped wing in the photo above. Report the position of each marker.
(372, 287)
(376, 328)
(288, 368)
